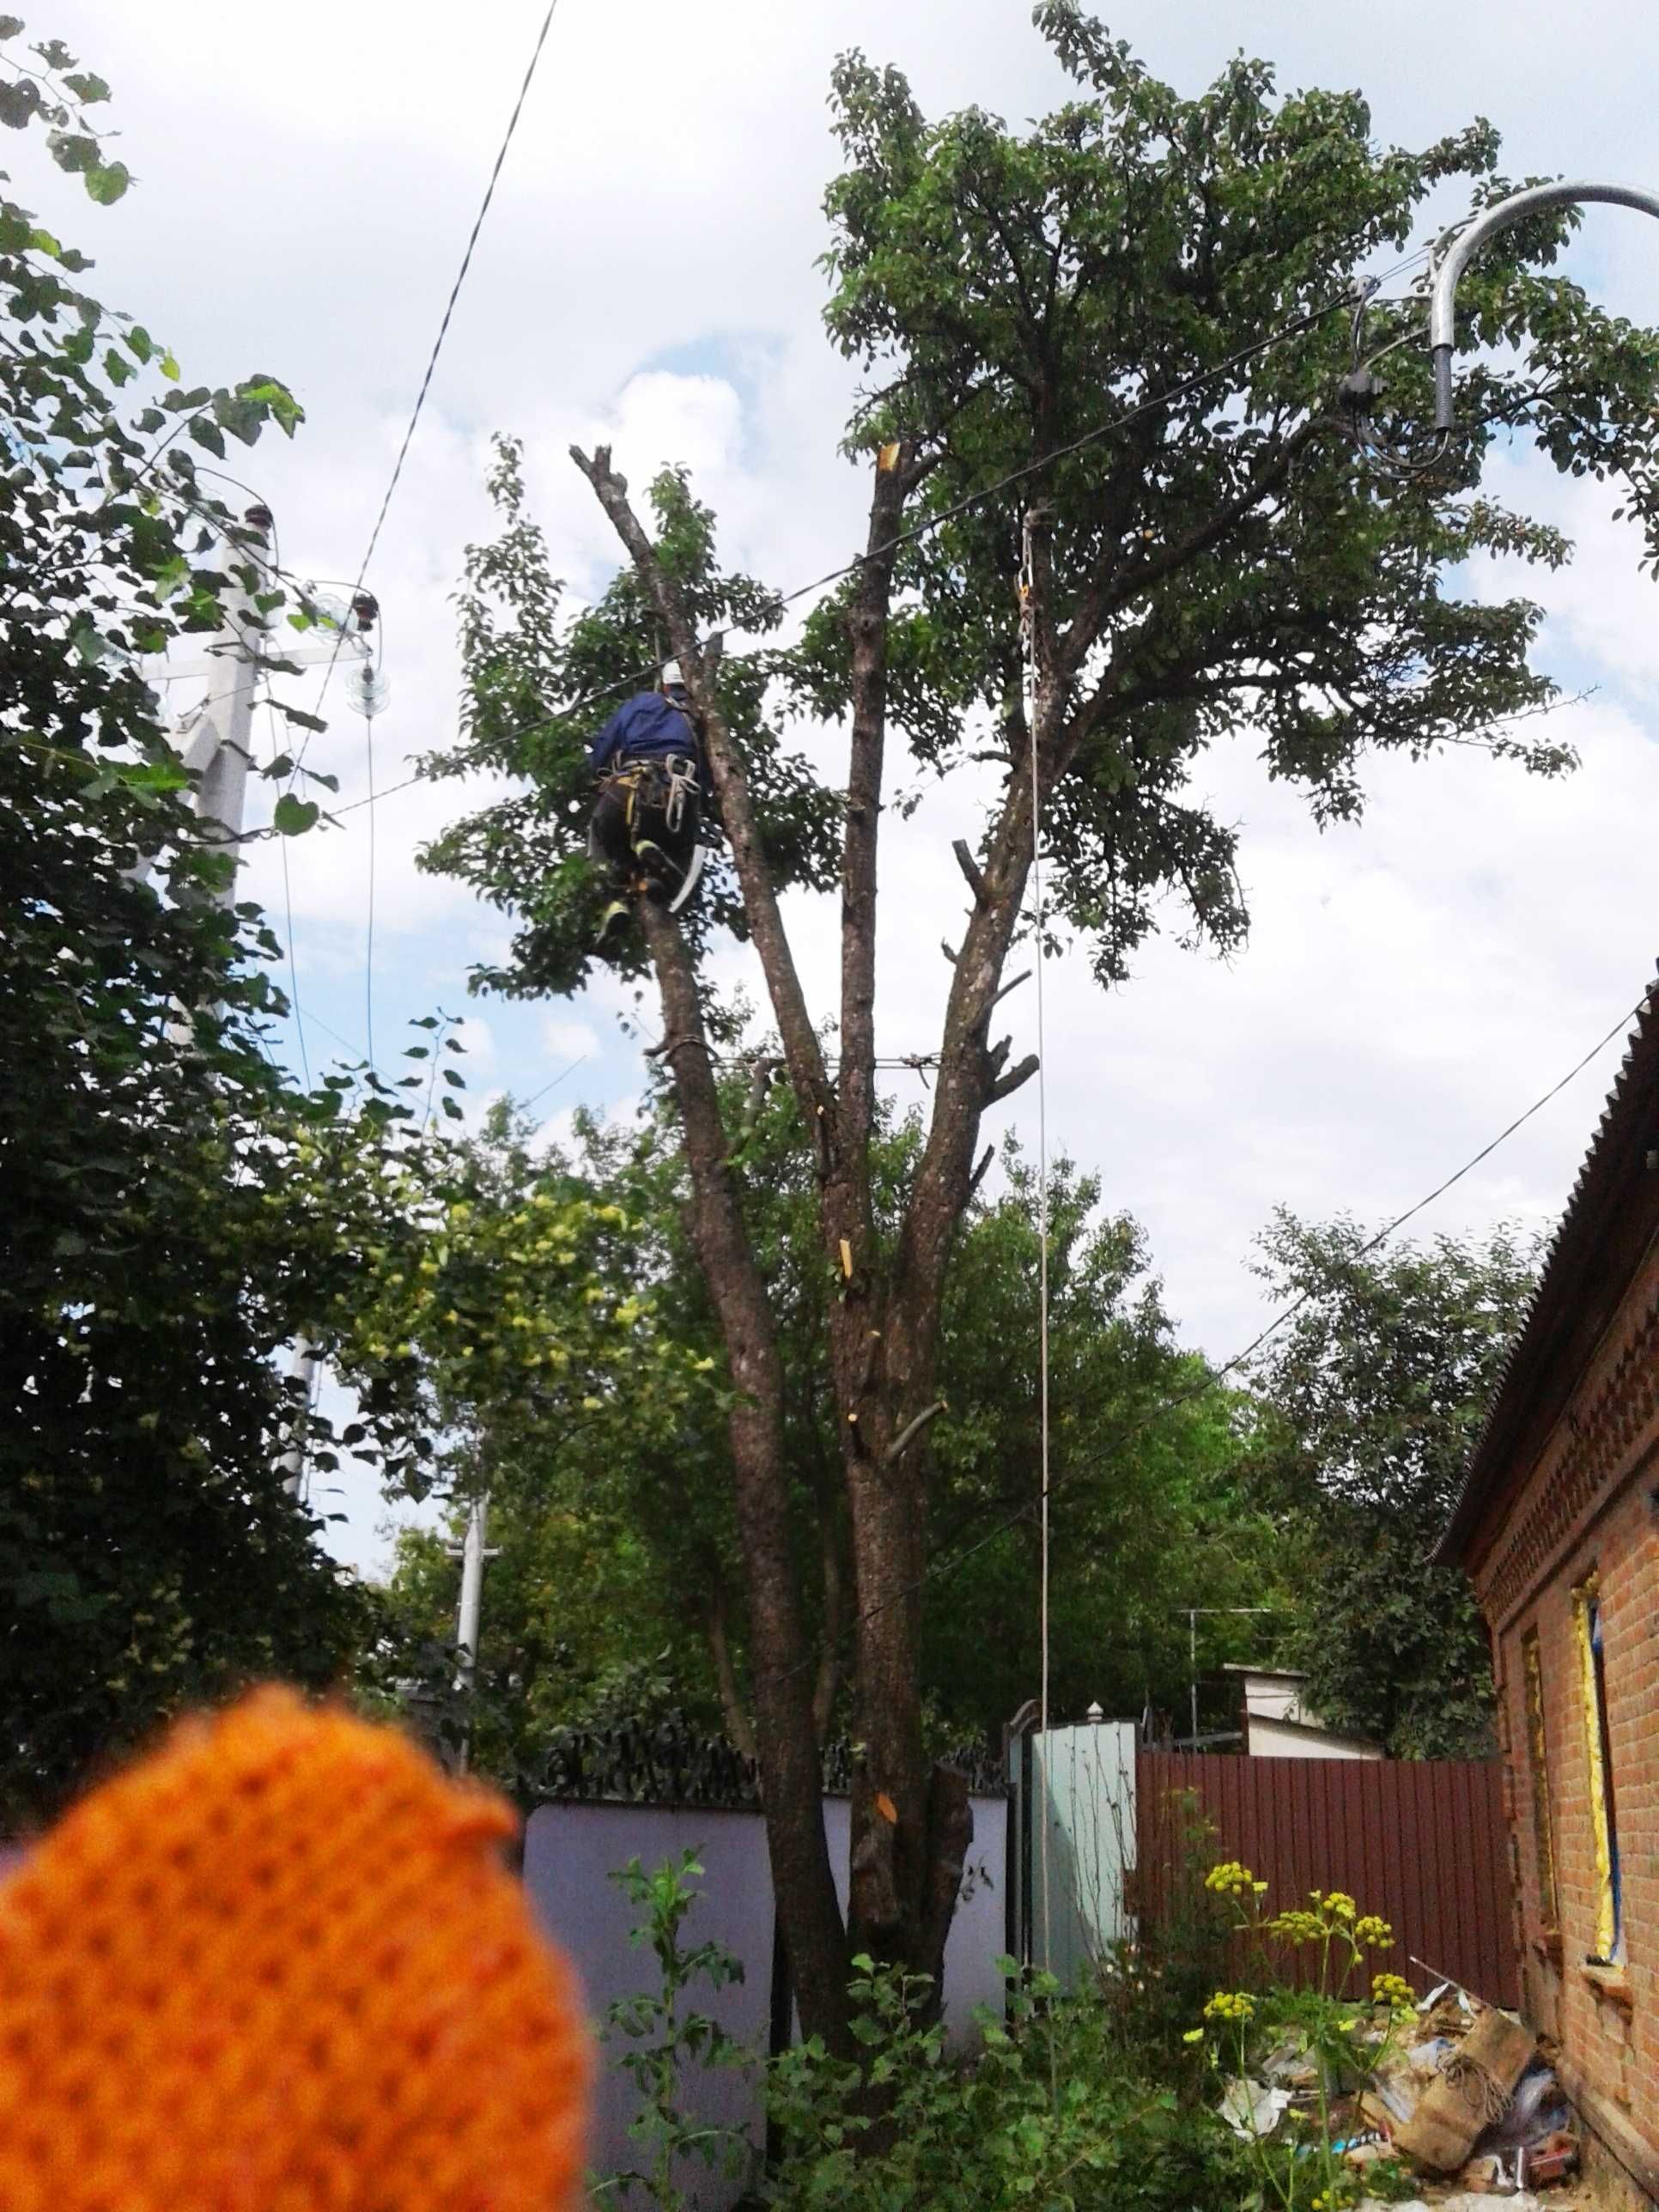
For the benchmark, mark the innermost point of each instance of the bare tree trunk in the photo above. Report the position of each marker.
(785, 1742)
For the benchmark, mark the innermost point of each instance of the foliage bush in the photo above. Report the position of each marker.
(1045, 2114)
(1104, 2096)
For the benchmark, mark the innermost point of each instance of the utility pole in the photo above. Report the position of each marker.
(220, 753)
(473, 1551)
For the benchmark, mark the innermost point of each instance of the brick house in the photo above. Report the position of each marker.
(1558, 1528)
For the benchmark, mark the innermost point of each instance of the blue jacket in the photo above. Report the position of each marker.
(648, 726)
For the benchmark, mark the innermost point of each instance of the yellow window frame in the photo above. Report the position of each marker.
(1543, 1830)
(1586, 1602)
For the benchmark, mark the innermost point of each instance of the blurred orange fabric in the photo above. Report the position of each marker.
(278, 1966)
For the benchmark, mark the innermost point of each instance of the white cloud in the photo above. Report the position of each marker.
(568, 1040)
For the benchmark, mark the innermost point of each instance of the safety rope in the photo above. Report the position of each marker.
(1028, 672)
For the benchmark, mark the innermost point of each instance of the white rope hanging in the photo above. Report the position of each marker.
(1029, 666)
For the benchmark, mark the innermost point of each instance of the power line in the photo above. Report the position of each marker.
(443, 326)
(455, 288)
(1216, 1375)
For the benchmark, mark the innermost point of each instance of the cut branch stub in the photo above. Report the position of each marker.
(1007, 1085)
(969, 867)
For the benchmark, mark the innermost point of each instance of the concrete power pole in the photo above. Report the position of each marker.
(473, 1550)
(219, 752)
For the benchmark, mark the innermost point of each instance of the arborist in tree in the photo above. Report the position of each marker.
(647, 818)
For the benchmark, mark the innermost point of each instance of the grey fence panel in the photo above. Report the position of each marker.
(977, 1939)
(570, 1852)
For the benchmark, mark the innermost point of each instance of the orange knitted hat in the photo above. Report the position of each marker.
(277, 1967)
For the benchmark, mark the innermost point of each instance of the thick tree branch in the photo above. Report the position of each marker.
(969, 867)
(1005, 1085)
(912, 1429)
(867, 630)
(800, 1039)
(968, 1075)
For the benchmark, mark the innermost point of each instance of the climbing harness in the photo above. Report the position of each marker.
(645, 825)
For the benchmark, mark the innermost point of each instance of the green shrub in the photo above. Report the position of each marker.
(662, 2038)
(1042, 2115)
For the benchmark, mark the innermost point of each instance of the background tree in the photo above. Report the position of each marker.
(171, 1209)
(1381, 1380)
(618, 1559)
(1216, 566)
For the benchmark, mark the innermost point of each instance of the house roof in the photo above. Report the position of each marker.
(1265, 1674)
(1610, 1219)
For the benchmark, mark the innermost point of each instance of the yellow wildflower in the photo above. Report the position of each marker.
(1231, 2004)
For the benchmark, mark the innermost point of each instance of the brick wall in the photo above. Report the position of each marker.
(1587, 1507)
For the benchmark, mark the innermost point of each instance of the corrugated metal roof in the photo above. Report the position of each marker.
(1630, 1104)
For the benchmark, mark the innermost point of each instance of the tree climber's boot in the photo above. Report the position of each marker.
(662, 878)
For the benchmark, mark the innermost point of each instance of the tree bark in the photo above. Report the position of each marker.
(910, 1827)
(786, 1742)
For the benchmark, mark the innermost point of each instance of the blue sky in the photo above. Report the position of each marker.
(647, 278)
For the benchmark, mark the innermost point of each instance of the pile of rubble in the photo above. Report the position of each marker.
(1469, 2102)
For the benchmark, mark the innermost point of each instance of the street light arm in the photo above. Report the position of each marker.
(1469, 242)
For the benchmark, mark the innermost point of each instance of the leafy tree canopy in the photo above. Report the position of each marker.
(1381, 1378)
(171, 1210)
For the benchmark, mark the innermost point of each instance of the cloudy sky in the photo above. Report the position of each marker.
(308, 180)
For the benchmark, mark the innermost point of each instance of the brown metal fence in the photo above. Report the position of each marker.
(1423, 1842)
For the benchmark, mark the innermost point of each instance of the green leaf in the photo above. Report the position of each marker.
(169, 367)
(209, 435)
(451, 1109)
(155, 775)
(11, 27)
(90, 90)
(239, 415)
(313, 722)
(119, 370)
(20, 103)
(269, 393)
(108, 182)
(138, 343)
(292, 817)
(73, 150)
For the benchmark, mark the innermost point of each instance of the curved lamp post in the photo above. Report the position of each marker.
(1469, 242)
